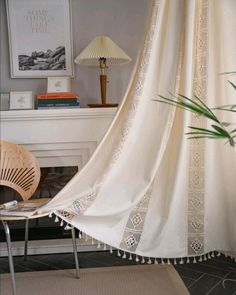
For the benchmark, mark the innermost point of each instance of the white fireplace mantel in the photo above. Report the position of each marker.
(57, 137)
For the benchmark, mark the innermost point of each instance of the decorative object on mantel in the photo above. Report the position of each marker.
(58, 84)
(58, 100)
(21, 100)
(101, 52)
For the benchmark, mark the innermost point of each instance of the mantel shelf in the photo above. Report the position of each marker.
(51, 114)
(57, 137)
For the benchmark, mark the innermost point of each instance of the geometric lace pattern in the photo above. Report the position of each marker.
(197, 147)
(134, 227)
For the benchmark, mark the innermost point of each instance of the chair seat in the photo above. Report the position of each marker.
(39, 200)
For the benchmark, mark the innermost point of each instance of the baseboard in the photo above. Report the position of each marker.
(47, 247)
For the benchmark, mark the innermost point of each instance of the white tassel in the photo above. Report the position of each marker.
(175, 262)
(118, 253)
(80, 234)
(213, 254)
(188, 260)
(200, 259)
(143, 260)
(67, 227)
(56, 219)
(130, 256)
(168, 261)
(149, 261)
(61, 224)
(111, 250)
(194, 260)
(205, 258)
(156, 261)
(104, 247)
(218, 254)
(50, 215)
(137, 259)
(99, 245)
(162, 261)
(124, 255)
(181, 261)
(209, 256)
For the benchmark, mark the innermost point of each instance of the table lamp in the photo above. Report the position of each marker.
(102, 52)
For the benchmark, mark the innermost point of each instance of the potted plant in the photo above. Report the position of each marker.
(218, 129)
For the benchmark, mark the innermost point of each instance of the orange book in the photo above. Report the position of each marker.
(57, 95)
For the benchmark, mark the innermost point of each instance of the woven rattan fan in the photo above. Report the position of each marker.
(18, 169)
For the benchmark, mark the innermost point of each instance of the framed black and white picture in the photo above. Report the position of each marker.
(40, 38)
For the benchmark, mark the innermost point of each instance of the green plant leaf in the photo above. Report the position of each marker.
(227, 73)
(204, 130)
(221, 130)
(231, 83)
(203, 109)
(198, 107)
(225, 124)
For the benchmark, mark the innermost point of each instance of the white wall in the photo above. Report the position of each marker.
(121, 20)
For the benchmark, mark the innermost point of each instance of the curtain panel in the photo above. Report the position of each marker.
(147, 189)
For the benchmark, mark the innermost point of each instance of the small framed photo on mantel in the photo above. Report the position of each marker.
(58, 84)
(21, 100)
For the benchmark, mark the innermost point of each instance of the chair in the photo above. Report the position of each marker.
(19, 170)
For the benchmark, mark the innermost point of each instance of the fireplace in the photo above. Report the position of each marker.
(62, 141)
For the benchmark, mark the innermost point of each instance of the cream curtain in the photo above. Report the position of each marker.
(147, 189)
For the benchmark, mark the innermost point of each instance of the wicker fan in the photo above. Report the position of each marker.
(19, 169)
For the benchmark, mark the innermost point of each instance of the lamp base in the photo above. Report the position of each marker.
(103, 105)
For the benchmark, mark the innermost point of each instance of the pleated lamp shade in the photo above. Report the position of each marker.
(102, 47)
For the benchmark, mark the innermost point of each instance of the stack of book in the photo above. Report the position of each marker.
(58, 100)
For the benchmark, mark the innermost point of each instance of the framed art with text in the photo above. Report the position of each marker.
(40, 38)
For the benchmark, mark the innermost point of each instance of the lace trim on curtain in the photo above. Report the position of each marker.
(84, 202)
(136, 92)
(197, 147)
(134, 227)
(67, 217)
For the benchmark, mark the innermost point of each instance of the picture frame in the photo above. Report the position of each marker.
(4, 101)
(40, 38)
(21, 100)
(58, 84)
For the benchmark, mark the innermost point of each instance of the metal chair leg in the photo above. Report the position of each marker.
(26, 238)
(75, 251)
(10, 258)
